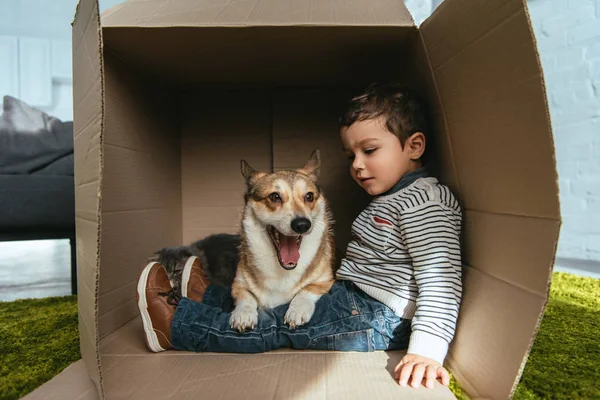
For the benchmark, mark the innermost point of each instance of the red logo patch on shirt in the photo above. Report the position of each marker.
(382, 221)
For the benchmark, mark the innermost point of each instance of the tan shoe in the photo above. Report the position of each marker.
(193, 280)
(156, 302)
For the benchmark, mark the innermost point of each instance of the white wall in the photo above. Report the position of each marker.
(420, 9)
(568, 35)
(35, 52)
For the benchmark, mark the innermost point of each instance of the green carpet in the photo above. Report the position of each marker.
(564, 362)
(39, 338)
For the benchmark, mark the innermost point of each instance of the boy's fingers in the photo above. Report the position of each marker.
(430, 376)
(443, 373)
(398, 366)
(417, 375)
(405, 373)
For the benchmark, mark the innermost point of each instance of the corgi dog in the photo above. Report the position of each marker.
(284, 252)
(286, 245)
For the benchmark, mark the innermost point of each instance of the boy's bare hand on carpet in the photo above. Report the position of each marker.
(420, 368)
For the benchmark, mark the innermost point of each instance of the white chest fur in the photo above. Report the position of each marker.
(279, 285)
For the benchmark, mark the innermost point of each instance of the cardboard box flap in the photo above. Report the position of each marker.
(160, 13)
(496, 328)
(489, 78)
(517, 250)
(157, 165)
(263, 55)
(87, 132)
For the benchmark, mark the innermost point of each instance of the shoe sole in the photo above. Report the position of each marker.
(151, 338)
(185, 275)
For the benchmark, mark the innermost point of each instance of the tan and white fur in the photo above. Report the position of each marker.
(285, 215)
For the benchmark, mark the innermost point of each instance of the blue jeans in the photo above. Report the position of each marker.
(345, 319)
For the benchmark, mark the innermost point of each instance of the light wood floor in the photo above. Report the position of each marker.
(34, 269)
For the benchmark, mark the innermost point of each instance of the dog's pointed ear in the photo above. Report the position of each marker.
(313, 166)
(247, 170)
(249, 173)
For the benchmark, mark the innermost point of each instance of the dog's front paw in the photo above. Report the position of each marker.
(243, 318)
(299, 312)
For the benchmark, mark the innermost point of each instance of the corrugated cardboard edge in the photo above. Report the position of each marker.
(72, 383)
(94, 366)
(549, 121)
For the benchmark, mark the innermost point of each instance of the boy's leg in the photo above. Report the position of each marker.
(348, 319)
(344, 319)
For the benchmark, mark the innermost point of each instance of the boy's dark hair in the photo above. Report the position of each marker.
(403, 113)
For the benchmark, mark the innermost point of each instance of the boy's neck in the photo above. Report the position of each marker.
(407, 179)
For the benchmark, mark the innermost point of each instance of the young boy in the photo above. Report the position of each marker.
(398, 287)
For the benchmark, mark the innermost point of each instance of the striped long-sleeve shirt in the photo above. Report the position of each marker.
(405, 253)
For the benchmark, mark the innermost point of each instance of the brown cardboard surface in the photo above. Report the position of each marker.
(270, 55)
(141, 187)
(494, 331)
(256, 12)
(517, 250)
(324, 375)
(219, 128)
(189, 92)
(259, 376)
(87, 131)
(489, 79)
(72, 383)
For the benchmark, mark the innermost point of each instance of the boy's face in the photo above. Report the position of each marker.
(378, 158)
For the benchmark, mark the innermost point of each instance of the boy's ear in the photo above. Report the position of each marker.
(249, 173)
(416, 145)
(313, 166)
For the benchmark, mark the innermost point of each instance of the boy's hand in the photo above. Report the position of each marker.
(420, 368)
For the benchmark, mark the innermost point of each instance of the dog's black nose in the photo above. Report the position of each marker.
(300, 225)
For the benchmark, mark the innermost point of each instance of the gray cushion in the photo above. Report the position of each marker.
(31, 140)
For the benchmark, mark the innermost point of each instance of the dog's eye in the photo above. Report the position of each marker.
(309, 197)
(275, 197)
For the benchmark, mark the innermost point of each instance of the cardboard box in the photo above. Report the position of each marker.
(170, 95)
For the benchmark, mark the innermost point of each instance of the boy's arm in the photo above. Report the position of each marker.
(431, 235)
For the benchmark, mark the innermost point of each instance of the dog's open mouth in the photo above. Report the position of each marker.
(287, 248)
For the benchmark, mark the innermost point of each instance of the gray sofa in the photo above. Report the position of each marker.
(37, 199)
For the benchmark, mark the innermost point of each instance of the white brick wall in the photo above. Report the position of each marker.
(568, 35)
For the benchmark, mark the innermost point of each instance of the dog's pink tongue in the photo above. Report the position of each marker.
(289, 250)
